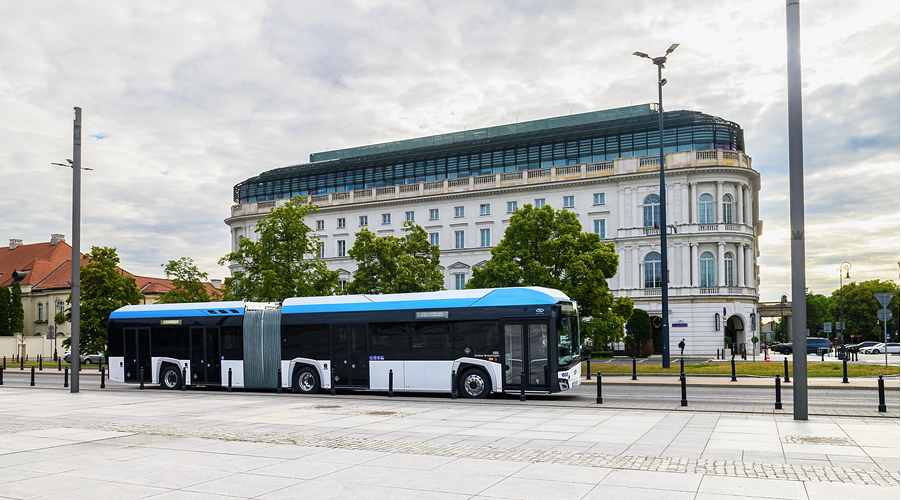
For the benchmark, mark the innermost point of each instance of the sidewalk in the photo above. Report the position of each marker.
(204, 445)
(869, 383)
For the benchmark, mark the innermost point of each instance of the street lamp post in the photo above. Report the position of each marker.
(846, 267)
(782, 303)
(60, 307)
(664, 281)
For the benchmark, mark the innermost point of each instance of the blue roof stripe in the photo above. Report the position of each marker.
(195, 310)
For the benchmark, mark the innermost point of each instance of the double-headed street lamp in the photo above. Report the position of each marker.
(846, 267)
(659, 62)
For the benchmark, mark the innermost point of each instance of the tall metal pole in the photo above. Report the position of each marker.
(76, 248)
(841, 295)
(796, 196)
(664, 282)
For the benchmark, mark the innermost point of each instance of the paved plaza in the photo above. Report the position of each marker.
(212, 444)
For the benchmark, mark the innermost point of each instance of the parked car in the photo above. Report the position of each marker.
(813, 345)
(85, 359)
(861, 346)
(882, 348)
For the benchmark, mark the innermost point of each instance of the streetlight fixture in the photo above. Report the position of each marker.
(659, 62)
(846, 267)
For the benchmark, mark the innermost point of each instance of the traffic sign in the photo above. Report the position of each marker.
(827, 327)
(888, 336)
(884, 315)
(884, 298)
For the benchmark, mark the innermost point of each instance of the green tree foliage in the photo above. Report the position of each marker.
(395, 265)
(608, 327)
(861, 308)
(546, 247)
(5, 298)
(817, 312)
(104, 288)
(16, 310)
(189, 283)
(283, 262)
(638, 333)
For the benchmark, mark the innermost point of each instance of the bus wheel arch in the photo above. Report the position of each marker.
(474, 382)
(305, 380)
(170, 377)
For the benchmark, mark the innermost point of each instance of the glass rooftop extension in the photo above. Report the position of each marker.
(496, 131)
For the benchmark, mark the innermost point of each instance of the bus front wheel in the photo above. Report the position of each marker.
(475, 384)
(171, 378)
(306, 381)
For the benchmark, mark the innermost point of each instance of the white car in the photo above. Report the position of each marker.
(891, 348)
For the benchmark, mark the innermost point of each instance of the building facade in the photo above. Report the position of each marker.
(604, 166)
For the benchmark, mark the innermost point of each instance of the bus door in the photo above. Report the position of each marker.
(526, 349)
(137, 354)
(350, 356)
(205, 358)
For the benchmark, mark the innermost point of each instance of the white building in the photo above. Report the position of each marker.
(566, 162)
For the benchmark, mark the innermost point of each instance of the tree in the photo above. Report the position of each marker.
(5, 298)
(638, 332)
(189, 283)
(395, 265)
(104, 288)
(861, 307)
(608, 327)
(546, 247)
(16, 311)
(817, 312)
(284, 262)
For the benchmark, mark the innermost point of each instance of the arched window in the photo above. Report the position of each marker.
(708, 272)
(727, 208)
(652, 271)
(652, 211)
(705, 209)
(728, 261)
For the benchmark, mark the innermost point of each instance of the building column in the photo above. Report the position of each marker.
(686, 266)
(740, 205)
(685, 216)
(748, 213)
(750, 278)
(740, 264)
(693, 201)
(695, 274)
(636, 209)
(622, 211)
(636, 283)
(671, 267)
(721, 264)
(719, 201)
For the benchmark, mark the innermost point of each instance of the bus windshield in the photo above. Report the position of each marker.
(568, 342)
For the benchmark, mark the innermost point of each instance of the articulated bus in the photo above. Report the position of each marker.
(491, 340)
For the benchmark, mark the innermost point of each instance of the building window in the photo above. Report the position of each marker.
(433, 239)
(652, 271)
(40, 311)
(728, 261)
(342, 248)
(320, 250)
(459, 239)
(708, 272)
(433, 214)
(386, 218)
(485, 237)
(600, 228)
(539, 202)
(341, 223)
(511, 207)
(342, 284)
(459, 281)
(364, 220)
(569, 201)
(727, 208)
(409, 217)
(320, 225)
(458, 212)
(705, 209)
(598, 198)
(485, 209)
(652, 211)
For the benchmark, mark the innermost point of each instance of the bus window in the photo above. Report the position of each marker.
(170, 342)
(232, 342)
(431, 341)
(389, 340)
(305, 341)
(476, 337)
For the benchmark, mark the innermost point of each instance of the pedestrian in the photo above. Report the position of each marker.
(682, 348)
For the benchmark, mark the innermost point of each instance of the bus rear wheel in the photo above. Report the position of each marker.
(170, 379)
(475, 384)
(306, 381)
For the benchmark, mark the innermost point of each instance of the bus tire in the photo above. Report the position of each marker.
(474, 384)
(306, 381)
(170, 379)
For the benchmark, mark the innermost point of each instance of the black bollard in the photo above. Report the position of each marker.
(682, 365)
(229, 380)
(278, 384)
(40, 362)
(522, 386)
(822, 355)
(684, 397)
(4, 362)
(102, 378)
(1, 376)
(141, 374)
(66, 378)
(733, 370)
(634, 377)
(845, 371)
(59, 364)
(21, 363)
(785, 362)
(453, 384)
(184, 378)
(588, 370)
(881, 395)
(778, 393)
(600, 399)
(332, 381)
(32, 377)
(390, 383)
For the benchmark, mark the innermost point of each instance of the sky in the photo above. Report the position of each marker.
(183, 100)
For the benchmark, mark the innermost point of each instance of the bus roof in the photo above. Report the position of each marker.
(486, 297)
(179, 310)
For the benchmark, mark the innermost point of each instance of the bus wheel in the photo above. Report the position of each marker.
(170, 378)
(475, 384)
(306, 381)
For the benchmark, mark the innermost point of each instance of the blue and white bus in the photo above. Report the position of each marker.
(493, 340)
